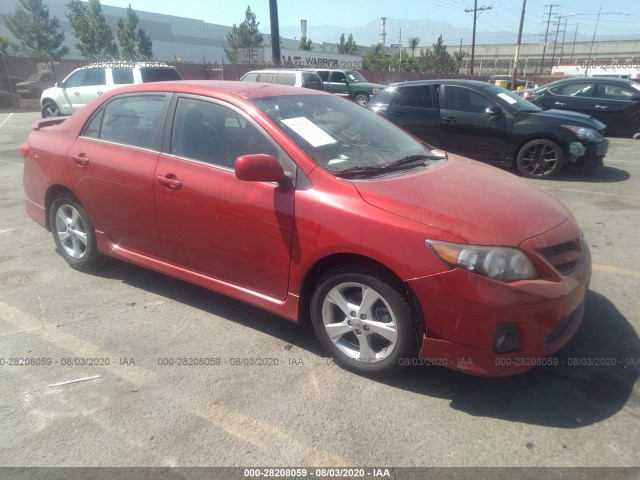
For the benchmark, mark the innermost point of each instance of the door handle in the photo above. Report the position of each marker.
(77, 94)
(397, 114)
(169, 182)
(449, 119)
(81, 160)
(99, 92)
(560, 104)
(601, 107)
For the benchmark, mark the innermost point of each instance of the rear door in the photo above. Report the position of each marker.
(114, 160)
(466, 129)
(211, 222)
(617, 106)
(415, 108)
(574, 96)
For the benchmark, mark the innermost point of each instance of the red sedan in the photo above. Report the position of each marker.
(309, 206)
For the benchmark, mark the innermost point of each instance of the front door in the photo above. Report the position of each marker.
(211, 222)
(466, 128)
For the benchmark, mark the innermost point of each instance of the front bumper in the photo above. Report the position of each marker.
(589, 154)
(463, 311)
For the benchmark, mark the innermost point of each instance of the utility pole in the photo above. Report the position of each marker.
(275, 32)
(573, 47)
(546, 35)
(555, 42)
(515, 61)
(564, 33)
(476, 12)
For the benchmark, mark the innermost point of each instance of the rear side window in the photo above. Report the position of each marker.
(122, 76)
(312, 80)
(159, 74)
(581, 89)
(250, 77)
(265, 78)
(414, 96)
(95, 76)
(130, 120)
(286, 78)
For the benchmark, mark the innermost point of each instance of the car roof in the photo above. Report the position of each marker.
(228, 88)
(445, 81)
(279, 70)
(620, 81)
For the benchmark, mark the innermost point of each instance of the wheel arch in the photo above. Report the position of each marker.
(323, 265)
(52, 192)
(563, 144)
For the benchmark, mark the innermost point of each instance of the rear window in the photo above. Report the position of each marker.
(312, 80)
(159, 74)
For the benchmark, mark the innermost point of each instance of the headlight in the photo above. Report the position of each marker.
(504, 264)
(583, 133)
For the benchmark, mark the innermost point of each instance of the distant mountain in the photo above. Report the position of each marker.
(426, 29)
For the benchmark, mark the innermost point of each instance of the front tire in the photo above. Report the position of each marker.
(50, 109)
(540, 158)
(74, 233)
(363, 321)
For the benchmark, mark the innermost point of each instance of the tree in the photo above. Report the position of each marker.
(4, 44)
(458, 57)
(247, 35)
(413, 44)
(349, 47)
(135, 44)
(305, 43)
(441, 60)
(37, 34)
(89, 26)
(375, 58)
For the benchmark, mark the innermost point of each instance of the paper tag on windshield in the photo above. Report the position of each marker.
(507, 98)
(309, 131)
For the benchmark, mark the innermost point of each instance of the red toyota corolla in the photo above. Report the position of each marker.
(309, 206)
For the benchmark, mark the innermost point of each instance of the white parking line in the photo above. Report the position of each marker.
(6, 119)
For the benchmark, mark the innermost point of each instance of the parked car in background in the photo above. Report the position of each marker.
(613, 101)
(348, 83)
(87, 83)
(293, 78)
(35, 84)
(520, 84)
(308, 206)
(489, 123)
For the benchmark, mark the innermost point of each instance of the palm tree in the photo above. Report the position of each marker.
(413, 44)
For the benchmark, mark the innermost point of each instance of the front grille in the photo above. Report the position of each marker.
(565, 256)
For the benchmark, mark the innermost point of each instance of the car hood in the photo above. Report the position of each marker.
(474, 202)
(575, 118)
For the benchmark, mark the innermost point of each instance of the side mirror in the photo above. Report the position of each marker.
(635, 98)
(344, 80)
(258, 168)
(495, 111)
(59, 84)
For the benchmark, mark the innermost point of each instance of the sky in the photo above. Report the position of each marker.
(504, 15)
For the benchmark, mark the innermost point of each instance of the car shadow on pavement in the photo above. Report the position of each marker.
(593, 380)
(603, 174)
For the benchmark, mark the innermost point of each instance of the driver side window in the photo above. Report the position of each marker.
(76, 79)
(338, 77)
(465, 100)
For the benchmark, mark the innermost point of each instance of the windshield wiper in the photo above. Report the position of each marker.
(414, 159)
(360, 172)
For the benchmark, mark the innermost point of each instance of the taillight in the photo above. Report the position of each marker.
(24, 150)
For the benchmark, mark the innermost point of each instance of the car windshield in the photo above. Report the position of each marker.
(355, 77)
(344, 138)
(513, 100)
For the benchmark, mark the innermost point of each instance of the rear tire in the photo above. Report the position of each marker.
(50, 109)
(73, 233)
(364, 321)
